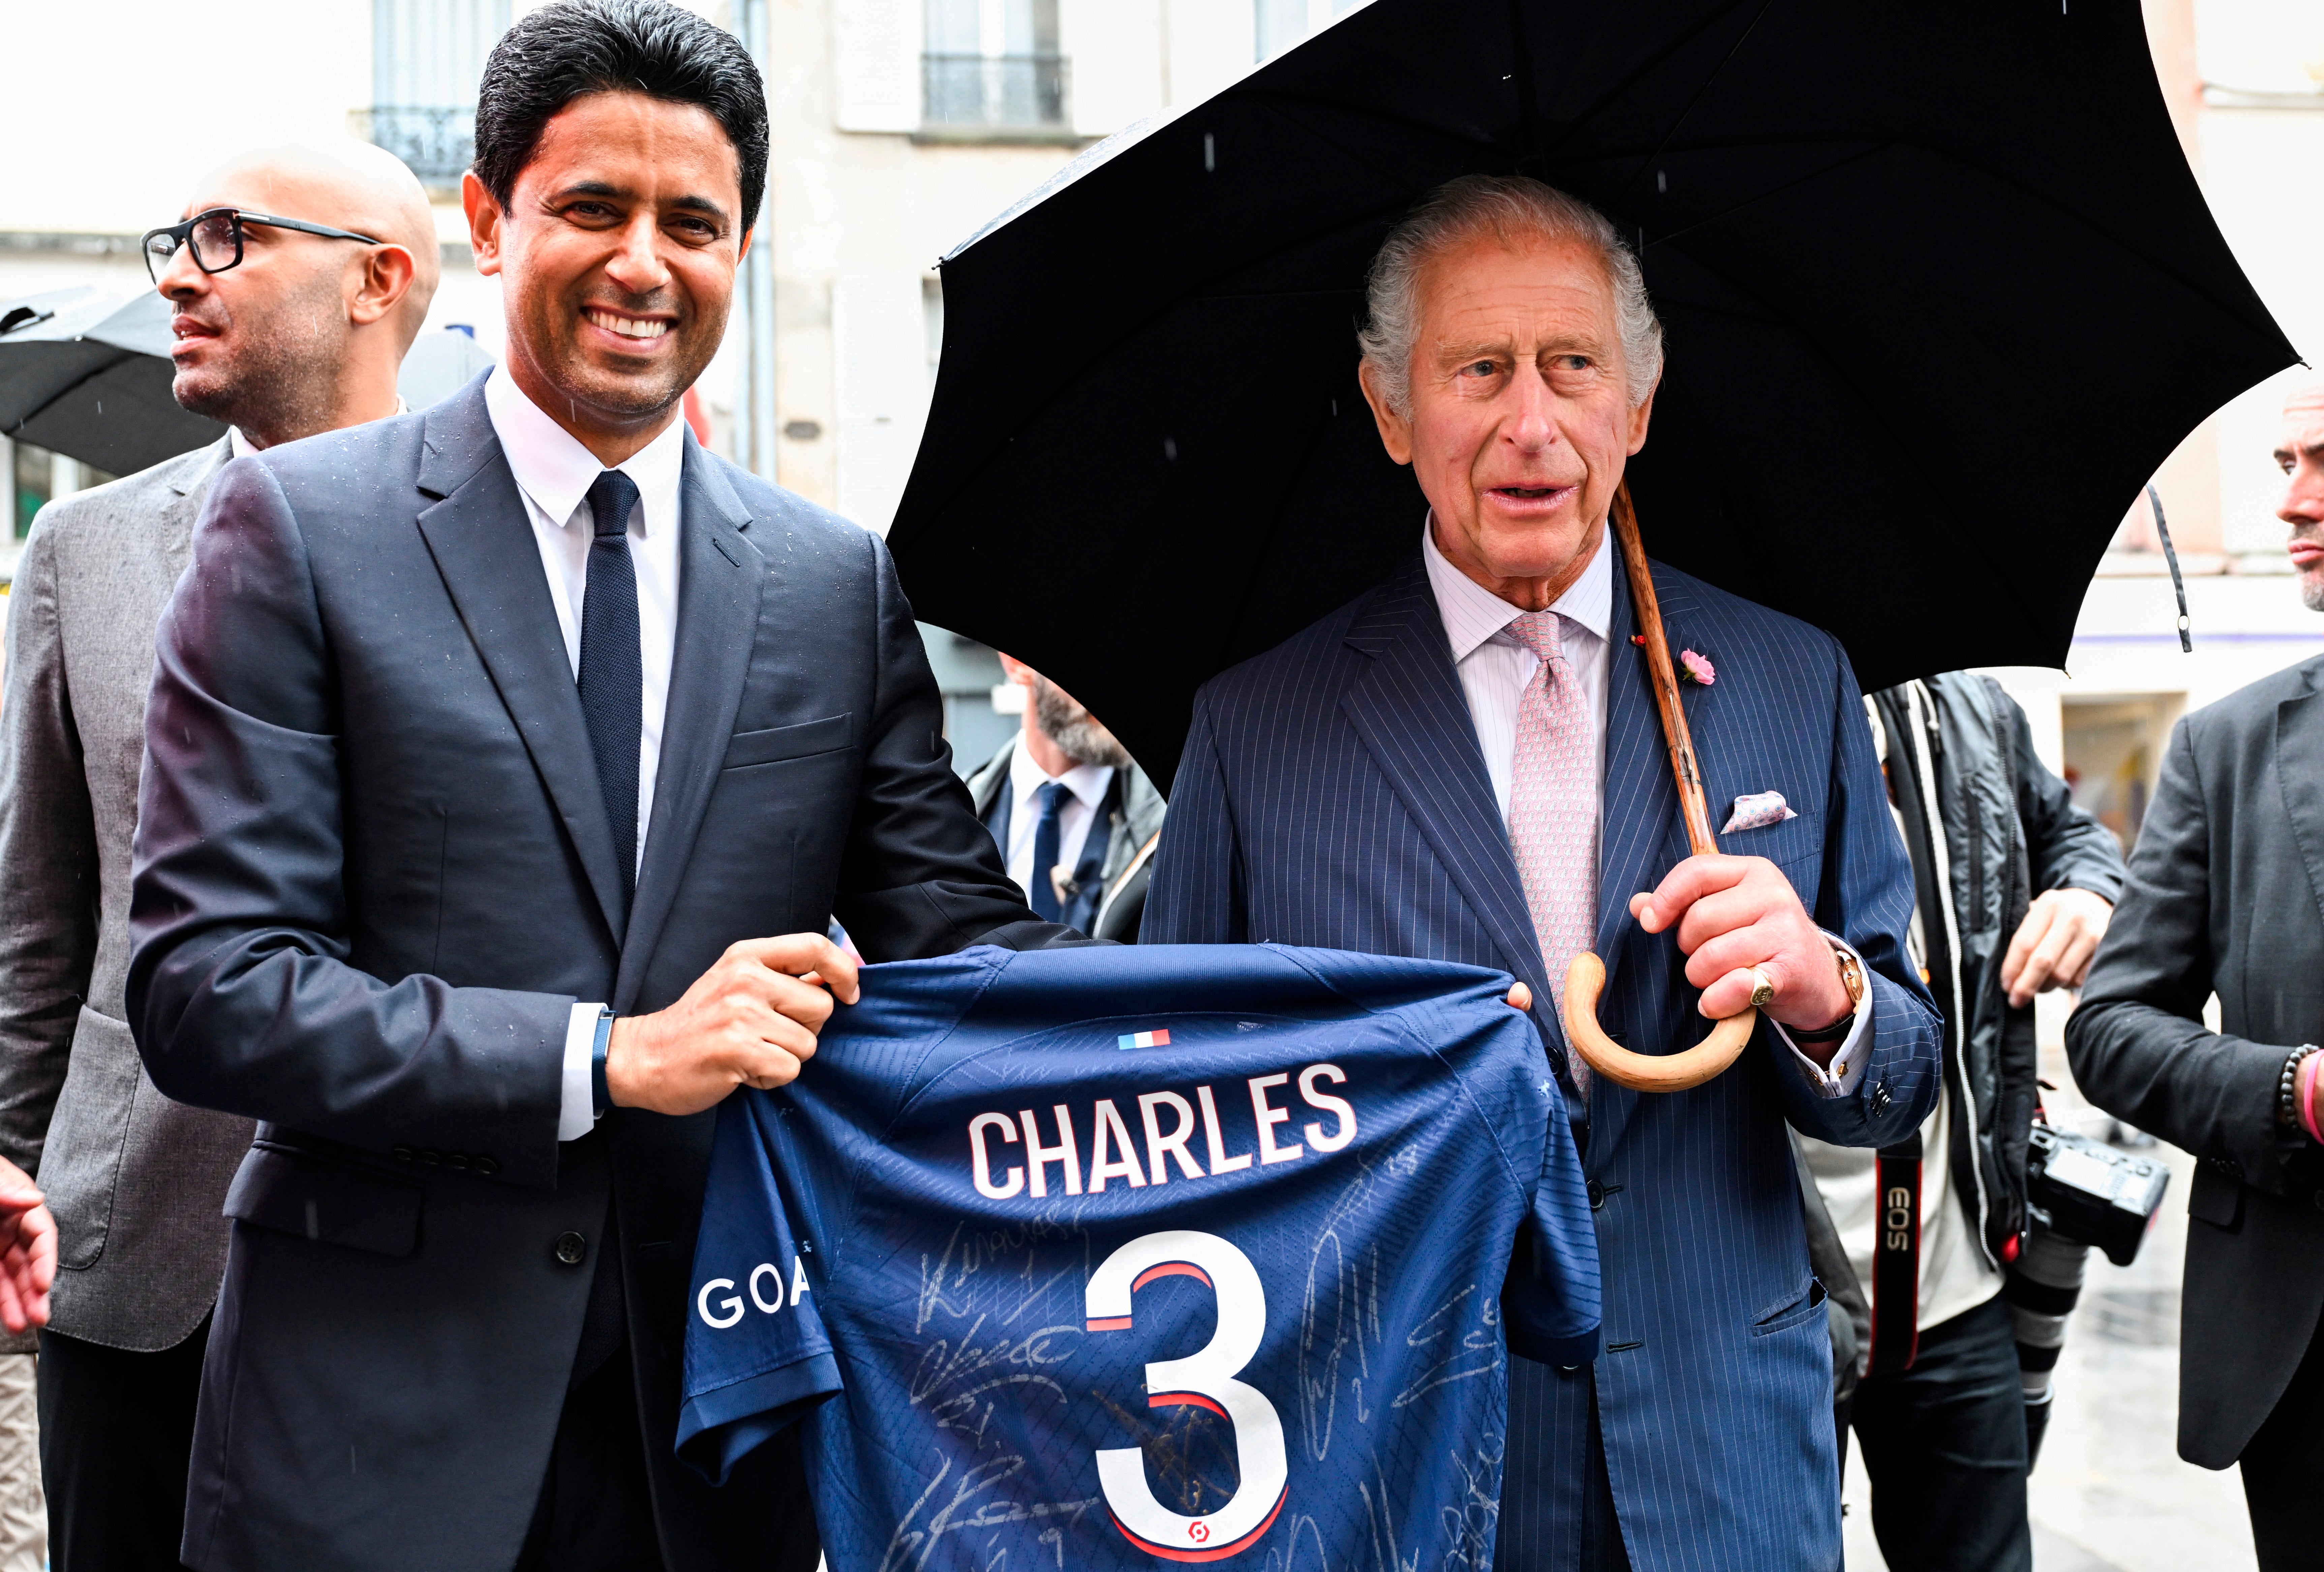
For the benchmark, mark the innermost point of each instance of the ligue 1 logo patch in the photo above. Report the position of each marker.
(1129, 1040)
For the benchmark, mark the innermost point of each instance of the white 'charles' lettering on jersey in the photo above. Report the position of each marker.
(1113, 1157)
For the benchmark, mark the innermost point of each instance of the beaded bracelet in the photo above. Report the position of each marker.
(2287, 1103)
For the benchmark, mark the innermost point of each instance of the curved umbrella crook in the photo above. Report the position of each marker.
(1586, 977)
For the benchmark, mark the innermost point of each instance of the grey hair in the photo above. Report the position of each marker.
(1509, 209)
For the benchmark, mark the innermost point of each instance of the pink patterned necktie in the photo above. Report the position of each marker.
(1554, 806)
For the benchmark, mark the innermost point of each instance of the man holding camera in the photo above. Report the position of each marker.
(2014, 886)
(2227, 896)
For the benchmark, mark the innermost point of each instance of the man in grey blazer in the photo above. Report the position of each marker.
(281, 333)
(2227, 896)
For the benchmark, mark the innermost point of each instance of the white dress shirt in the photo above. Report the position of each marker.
(553, 473)
(1494, 670)
(1084, 787)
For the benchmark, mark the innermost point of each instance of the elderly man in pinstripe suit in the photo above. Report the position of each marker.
(1465, 764)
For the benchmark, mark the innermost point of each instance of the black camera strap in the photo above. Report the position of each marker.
(1912, 772)
(1896, 1259)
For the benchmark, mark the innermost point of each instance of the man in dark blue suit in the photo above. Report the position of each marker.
(504, 765)
(1465, 764)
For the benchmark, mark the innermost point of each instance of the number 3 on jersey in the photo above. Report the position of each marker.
(1205, 1379)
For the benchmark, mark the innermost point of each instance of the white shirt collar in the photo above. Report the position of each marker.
(240, 444)
(555, 471)
(1473, 614)
(1087, 782)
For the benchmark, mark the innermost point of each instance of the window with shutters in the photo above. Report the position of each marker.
(994, 64)
(427, 56)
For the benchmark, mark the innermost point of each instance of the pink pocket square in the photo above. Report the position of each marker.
(1758, 810)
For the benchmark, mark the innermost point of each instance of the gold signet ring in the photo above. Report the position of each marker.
(1762, 990)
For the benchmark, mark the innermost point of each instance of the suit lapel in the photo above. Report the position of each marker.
(1413, 717)
(1641, 803)
(720, 576)
(481, 536)
(2300, 771)
(179, 513)
(1640, 808)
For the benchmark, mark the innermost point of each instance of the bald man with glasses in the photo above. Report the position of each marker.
(299, 278)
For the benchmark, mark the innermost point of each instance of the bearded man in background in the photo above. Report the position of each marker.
(1076, 819)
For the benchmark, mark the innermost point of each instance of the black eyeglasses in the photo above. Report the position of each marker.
(216, 236)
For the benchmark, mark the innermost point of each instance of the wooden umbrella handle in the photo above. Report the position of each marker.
(1586, 977)
(1644, 1072)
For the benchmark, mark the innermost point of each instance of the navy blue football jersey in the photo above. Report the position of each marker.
(1089, 1257)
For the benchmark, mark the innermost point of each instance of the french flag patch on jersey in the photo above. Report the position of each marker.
(1143, 1039)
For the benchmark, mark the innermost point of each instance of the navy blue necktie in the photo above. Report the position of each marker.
(1047, 837)
(613, 674)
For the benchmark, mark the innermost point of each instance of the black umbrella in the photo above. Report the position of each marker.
(86, 372)
(1940, 291)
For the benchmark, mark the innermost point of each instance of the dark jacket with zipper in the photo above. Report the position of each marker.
(2011, 832)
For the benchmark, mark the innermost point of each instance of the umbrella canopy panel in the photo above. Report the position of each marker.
(86, 373)
(1940, 290)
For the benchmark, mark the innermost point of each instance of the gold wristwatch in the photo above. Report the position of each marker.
(1851, 975)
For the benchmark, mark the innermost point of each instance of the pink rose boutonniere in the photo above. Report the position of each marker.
(1696, 669)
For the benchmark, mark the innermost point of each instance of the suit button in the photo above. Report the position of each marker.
(487, 1167)
(1880, 1098)
(1597, 1195)
(403, 1154)
(458, 1160)
(429, 1158)
(571, 1247)
(2319, 1200)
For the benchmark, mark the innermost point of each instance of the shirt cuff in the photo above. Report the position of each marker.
(1848, 1064)
(576, 1112)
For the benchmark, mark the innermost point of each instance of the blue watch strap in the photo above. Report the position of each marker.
(599, 1099)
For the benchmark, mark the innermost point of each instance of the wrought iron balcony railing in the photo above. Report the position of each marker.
(1000, 92)
(440, 145)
